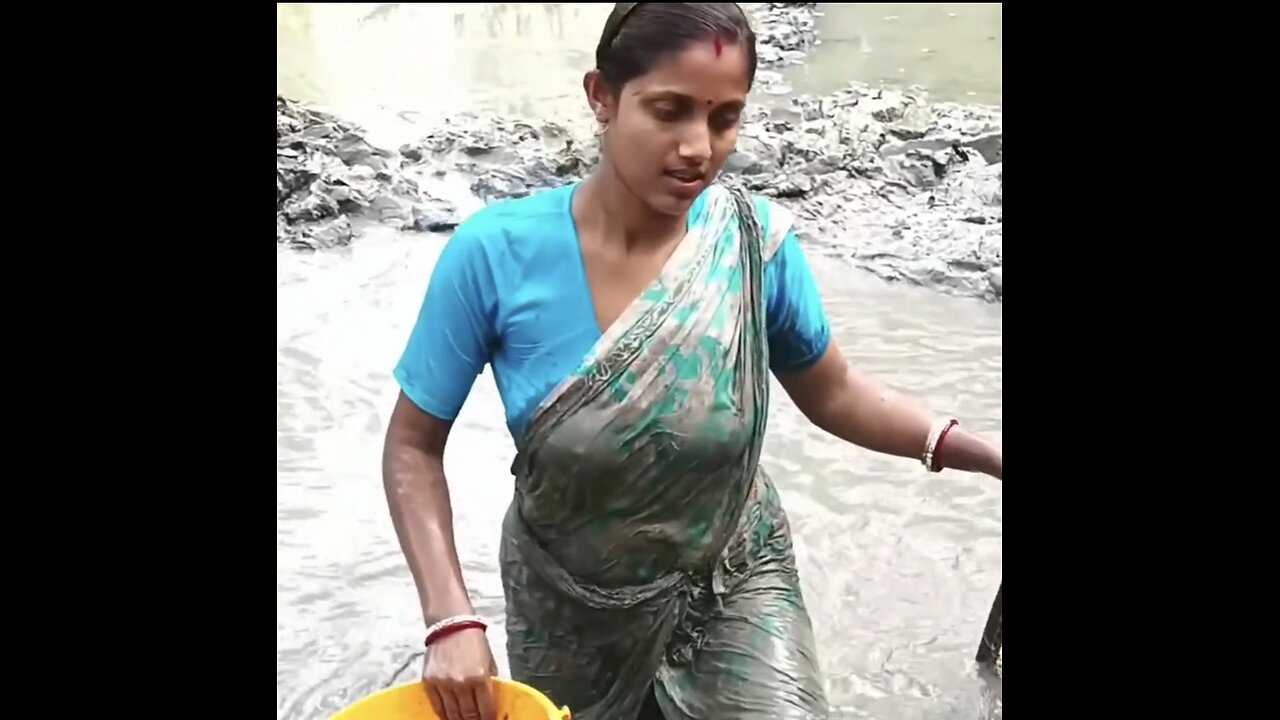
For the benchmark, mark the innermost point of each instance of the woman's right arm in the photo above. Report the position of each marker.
(418, 498)
(450, 343)
(458, 668)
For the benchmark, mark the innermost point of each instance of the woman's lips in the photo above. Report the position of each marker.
(685, 183)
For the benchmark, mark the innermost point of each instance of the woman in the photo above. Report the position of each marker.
(631, 321)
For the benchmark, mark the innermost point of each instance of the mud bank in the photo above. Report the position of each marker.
(327, 173)
(910, 190)
(784, 34)
(907, 189)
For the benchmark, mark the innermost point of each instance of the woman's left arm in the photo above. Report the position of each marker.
(831, 393)
(853, 407)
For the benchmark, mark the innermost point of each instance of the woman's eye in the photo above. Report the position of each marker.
(727, 120)
(666, 112)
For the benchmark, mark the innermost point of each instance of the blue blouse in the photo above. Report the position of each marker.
(509, 289)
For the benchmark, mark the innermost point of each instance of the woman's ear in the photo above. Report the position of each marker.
(598, 96)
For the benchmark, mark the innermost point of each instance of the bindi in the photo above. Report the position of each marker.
(718, 44)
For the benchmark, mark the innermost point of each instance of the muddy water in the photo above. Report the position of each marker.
(899, 565)
(392, 64)
(952, 49)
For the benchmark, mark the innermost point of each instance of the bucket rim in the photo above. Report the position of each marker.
(544, 702)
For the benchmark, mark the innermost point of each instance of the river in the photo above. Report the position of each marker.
(899, 566)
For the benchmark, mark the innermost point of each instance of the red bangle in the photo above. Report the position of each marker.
(452, 628)
(937, 447)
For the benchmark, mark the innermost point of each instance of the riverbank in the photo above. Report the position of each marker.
(907, 189)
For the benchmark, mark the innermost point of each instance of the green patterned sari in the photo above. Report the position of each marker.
(645, 551)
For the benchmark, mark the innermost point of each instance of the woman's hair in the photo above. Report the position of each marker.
(638, 35)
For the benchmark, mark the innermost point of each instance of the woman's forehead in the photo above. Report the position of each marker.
(702, 71)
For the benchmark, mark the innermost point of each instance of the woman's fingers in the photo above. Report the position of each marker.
(469, 700)
(484, 700)
(453, 709)
(437, 703)
(457, 676)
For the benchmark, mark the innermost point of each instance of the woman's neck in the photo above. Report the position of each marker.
(618, 215)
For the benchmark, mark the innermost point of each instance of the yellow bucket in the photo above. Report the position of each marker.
(513, 701)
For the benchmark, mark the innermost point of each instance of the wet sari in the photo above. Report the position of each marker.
(645, 555)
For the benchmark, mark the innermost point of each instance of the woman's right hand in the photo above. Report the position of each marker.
(457, 674)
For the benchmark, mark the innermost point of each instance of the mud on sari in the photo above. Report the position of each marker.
(644, 550)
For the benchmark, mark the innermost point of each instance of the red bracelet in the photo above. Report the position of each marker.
(447, 631)
(937, 447)
(449, 626)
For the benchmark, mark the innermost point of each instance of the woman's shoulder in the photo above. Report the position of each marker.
(516, 220)
(768, 209)
(776, 220)
(511, 238)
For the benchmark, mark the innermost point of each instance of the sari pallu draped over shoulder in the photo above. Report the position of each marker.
(644, 549)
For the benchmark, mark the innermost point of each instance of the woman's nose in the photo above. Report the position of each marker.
(696, 143)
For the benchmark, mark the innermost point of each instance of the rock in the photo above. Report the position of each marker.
(334, 232)
(309, 205)
(326, 172)
(754, 155)
(411, 153)
(784, 31)
(910, 190)
(743, 163)
(394, 211)
(435, 216)
(995, 276)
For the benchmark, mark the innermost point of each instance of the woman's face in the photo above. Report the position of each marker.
(670, 131)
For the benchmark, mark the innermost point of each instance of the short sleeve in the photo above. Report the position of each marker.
(799, 331)
(455, 331)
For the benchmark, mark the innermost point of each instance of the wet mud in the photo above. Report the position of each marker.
(905, 188)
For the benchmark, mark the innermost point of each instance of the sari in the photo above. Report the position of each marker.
(645, 554)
